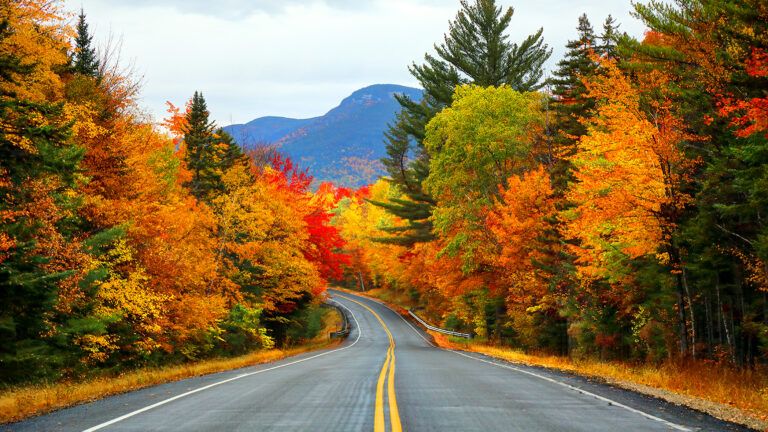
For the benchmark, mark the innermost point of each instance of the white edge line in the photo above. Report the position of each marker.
(163, 402)
(554, 381)
(533, 374)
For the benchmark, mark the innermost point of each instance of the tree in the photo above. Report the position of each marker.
(210, 151)
(629, 171)
(198, 142)
(84, 59)
(570, 102)
(609, 39)
(711, 50)
(325, 242)
(39, 173)
(475, 50)
(484, 138)
(630, 188)
(518, 221)
(571, 106)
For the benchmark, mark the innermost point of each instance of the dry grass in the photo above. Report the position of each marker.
(738, 395)
(27, 401)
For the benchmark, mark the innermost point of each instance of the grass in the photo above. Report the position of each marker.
(23, 402)
(734, 394)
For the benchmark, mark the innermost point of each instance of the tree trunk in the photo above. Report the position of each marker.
(689, 300)
(682, 328)
(360, 277)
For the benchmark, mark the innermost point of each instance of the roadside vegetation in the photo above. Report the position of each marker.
(22, 401)
(125, 245)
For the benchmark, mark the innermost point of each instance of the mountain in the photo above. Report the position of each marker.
(344, 145)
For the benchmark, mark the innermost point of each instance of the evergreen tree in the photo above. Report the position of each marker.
(609, 39)
(200, 151)
(36, 158)
(84, 60)
(570, 102)
(475, 50)
(210, 152)
(231, 153)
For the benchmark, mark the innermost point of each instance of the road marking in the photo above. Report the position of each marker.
(389, 364)
(394, 413)
(163, 402)
(378, 416)
(554, 381)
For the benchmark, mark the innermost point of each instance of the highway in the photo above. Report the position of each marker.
(385, 377)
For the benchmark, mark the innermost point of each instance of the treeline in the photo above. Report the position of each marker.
(123, 245)
(616, 209)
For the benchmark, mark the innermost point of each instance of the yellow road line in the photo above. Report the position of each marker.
(389, 364)
(394, 413)
(378, 416)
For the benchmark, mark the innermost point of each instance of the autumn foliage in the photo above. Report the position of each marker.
(124, 244)
(621, 216)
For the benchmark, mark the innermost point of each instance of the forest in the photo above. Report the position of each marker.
(614, 209)
(124, 244)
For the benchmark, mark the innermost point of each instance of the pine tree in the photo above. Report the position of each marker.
(570, 102)
(609, 39)
(84, 60)
(475, 50)
(200, 151)
(210, 151)
(231, 153)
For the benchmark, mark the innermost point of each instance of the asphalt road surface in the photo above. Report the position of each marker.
(385, 377)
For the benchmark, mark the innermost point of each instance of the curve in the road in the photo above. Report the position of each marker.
(218, 383)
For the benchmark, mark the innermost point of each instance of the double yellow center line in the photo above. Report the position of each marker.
(388, 366)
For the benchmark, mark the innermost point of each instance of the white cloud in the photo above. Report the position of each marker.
(299, 58)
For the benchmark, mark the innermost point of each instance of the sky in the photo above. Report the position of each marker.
(299, 58)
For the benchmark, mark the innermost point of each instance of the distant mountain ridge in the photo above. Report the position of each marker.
(344, 145)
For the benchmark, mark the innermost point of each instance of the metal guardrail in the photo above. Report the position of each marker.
(438, 329)
(346, 327)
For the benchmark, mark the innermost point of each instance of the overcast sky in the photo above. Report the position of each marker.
(299, 58)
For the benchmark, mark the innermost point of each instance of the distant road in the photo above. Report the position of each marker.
(386, 376)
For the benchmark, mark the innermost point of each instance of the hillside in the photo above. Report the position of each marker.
(344, 145)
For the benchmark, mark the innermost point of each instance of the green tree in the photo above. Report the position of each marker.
(84, 59)
(608, 46)
(570, 101)
(210, 151)
(231, 153)
(201, 154)
(569, 105)
(476, 50)
(488, 135)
